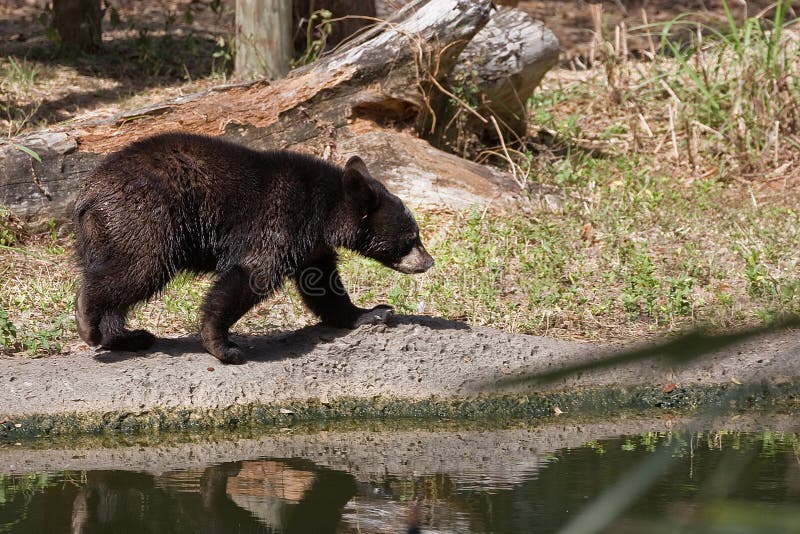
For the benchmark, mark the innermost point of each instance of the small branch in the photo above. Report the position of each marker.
(513, 165)
(672, 132)
(461, 102)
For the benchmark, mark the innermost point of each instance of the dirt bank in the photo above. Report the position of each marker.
(417, 366)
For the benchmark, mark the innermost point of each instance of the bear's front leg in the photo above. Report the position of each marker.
(230, 297)
(322, 291)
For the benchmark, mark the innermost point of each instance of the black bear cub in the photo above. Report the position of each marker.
(181, 202)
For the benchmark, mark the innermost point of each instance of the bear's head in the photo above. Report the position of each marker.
(387, 231)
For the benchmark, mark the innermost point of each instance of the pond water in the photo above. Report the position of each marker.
(503, 481)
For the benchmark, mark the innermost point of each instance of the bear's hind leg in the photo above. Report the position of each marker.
(100, 315)
(117, 337)
(230, 297)
(322, 291)
(88, 323)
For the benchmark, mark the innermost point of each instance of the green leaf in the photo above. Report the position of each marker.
(27, 150)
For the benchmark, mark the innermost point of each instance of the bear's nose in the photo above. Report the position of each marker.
(415, 262)
(427, 260)
(423, 262)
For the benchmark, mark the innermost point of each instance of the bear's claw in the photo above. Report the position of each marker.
(378, 314)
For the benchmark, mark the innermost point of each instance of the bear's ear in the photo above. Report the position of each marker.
(359, 184)
(357, 164)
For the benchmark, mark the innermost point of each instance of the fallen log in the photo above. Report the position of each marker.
(505, 62)
(424, 175)
(383, 74)
(494, 76)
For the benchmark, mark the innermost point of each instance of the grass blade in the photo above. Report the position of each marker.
(25, 149)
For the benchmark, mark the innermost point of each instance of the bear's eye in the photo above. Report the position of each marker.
(408, 243)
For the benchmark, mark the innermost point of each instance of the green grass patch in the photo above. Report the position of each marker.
(628, 254)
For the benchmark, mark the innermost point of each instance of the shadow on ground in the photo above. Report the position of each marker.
(279, 346)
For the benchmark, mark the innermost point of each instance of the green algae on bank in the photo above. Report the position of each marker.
(589, 402)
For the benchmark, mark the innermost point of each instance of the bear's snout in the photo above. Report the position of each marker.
(415, 262)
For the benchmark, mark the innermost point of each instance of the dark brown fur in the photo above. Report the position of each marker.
(178, 202)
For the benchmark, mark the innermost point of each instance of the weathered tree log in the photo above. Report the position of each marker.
(384, 9)
(384, 74)
(505, 62)
(495, 75)
(422, 174)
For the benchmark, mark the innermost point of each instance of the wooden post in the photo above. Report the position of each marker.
(263, 38)
(78, 23)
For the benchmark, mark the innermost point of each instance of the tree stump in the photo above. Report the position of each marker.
(78, 23)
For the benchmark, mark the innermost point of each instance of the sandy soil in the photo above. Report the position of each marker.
(415, 358)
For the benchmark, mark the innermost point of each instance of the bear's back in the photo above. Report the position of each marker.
(205, 170)
(203, 202)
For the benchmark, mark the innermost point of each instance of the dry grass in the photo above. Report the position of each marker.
(724, 100)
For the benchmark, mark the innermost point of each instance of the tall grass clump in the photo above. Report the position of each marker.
(733, 88)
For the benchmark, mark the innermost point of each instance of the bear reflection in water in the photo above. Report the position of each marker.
(248, 496)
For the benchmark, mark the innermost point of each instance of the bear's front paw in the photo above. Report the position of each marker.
(232, 355)
(226, 352)
(377, 315)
